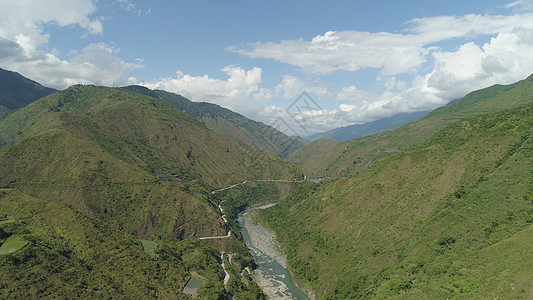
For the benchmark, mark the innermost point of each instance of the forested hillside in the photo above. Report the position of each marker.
(354, 156)
(449, 218)
(248, 132)
(86, 172)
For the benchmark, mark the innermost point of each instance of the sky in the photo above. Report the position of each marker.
(301, 66)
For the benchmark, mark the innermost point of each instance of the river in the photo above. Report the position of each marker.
(271, 273)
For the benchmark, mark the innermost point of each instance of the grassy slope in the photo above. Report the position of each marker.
(114, 166)
(134, 161)
(355, 156)
(444, 219)
(72, 256)
(233, 125)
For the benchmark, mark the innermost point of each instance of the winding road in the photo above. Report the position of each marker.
(219, 236)
(239, 184)
(258, 180)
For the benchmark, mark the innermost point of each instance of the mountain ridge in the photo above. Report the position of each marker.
(248, 132)
(422, 223)
(17, 90)
(343, 134)
(356, 155)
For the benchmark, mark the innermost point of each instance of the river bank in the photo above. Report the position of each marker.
(271, 275)
(263, 238)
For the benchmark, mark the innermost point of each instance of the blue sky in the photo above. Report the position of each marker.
(359, 60)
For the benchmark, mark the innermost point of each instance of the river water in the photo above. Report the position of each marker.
(274, 279)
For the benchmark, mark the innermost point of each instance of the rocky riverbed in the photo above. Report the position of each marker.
(271, 276)
(264, 240)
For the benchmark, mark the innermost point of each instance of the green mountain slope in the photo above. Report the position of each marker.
(449, 218)
(226, 122)
(356, 155)
(131, 160)
(69, 255)
(17, 90)
(114, 166)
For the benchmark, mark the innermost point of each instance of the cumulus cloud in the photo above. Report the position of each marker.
(26, 18)
(240, 86)
(505, 59)
(392, 53)
(292, 86)
(23, 42)
(344, 50)
(352, 93)
(489, 49)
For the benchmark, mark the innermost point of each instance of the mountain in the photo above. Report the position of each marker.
(17, 90)
(351, 132)
(126, 158)
(70, 255)
(87, 171)
(354, 156)
(450, 218)
(253, 134)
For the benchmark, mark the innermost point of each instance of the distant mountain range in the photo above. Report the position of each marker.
(354, 156)
(248, 132)
(17, 91)
(343, 134)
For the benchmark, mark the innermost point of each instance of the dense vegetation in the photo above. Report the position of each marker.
(72, 256)
(115, 167)
(352, 157)
(226, 122)
(449, 218)
(439, 208)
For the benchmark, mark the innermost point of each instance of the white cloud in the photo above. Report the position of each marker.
(344, 50)
(352, 93)
(132, 7)
(23, 43)
(240, 86)
(26, 18)
(347, 107)
(521, 5)
(439, 75)
(95, 64)
(505, 59)
(302, 123)
(292, 86)
(392, 53)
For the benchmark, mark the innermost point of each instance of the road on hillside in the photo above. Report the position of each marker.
(258, 180)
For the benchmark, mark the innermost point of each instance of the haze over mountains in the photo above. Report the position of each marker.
(351, 132)
(352, 157)
(438, 208)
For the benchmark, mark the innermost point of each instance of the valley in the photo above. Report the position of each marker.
(112, 192)
(255, 150)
